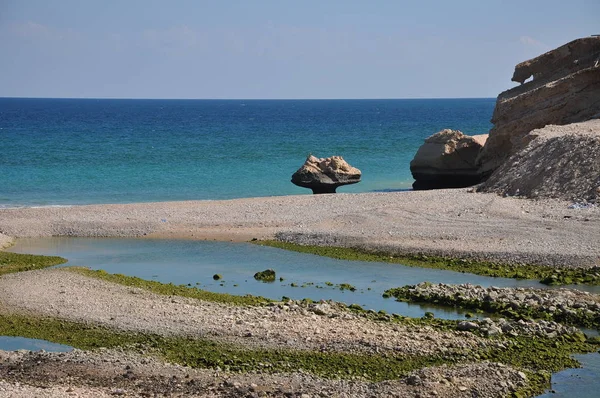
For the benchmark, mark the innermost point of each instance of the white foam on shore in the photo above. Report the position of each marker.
(31, 207)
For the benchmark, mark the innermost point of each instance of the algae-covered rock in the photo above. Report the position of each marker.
(267, 275)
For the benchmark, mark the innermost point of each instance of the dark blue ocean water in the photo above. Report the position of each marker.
(75, 151)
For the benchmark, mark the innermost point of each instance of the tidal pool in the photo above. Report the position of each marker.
(12, 343)
(184, 262)
(582, 382)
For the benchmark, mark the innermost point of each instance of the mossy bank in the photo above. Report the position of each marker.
(15, 262)
(569, 307)
(545, 274)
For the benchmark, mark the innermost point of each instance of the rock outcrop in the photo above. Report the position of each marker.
(325, 175)
(565, 89)
(558, 162)
(5, 241)
(447, 160)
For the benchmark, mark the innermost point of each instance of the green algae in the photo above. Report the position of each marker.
(16, 262)
(202, 353)
(547, 275)
(267, 275)
(347, 286)
(536, 357)
(170, 289)
(578, 317)
(539, 358)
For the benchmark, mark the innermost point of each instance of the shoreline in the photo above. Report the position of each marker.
(449, 223)
(333, 348)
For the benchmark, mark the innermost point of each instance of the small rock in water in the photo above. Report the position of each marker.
(267, 275)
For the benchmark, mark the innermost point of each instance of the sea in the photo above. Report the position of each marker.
(85, 151)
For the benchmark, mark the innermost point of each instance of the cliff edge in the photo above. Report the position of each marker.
(565, 89)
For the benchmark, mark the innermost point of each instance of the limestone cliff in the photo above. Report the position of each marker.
(565, 89)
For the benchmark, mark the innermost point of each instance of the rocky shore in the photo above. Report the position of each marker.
(140, 343)
(567, 306)
(111, 373)
(325, 327)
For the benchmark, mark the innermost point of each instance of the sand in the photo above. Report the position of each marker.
(448, 222)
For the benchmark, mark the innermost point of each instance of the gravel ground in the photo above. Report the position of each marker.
(442, 222)
(63, 294)
(113, 373)
(104, 373)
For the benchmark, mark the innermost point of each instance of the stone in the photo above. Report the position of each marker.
(565, 89)
(558, 162)
(413, 380)
(321, 309)
(465, 325)
(447, 159)
(267, 275)
(325, 175)
(493, 330)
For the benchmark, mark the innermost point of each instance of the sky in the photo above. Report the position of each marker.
(276, 49)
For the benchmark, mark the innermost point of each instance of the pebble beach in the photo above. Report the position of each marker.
(457, 223)
(451, 222)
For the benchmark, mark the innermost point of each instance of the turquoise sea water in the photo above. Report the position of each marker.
(79, 151)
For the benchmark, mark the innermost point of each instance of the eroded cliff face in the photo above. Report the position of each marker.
(558, 162)
(565, 89)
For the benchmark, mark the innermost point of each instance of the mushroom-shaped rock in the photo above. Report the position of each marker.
(325, 175)
(447, 159)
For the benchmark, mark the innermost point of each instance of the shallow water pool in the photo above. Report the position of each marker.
(583, 382)
(11, 343)
(194, 263)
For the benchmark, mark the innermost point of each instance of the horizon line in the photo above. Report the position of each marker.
(245, 99)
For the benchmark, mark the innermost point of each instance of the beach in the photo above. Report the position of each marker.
(323, 327)
(264, 201)
(451, 222)
(456, 223)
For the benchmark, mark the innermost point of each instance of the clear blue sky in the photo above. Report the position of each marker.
(279, 48)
